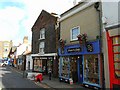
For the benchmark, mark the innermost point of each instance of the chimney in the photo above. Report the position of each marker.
(25, 40)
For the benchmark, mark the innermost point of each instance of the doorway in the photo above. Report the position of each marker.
(73, 69)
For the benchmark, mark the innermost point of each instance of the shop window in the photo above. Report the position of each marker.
(91, 69)
(65, 67)
(74, 33)
(116, 52)
(38, 65)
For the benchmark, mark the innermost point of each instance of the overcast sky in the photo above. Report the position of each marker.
(18, 16)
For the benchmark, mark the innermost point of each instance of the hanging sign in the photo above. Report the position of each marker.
(89, 47)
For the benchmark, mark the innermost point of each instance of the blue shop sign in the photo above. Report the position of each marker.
(92, 47)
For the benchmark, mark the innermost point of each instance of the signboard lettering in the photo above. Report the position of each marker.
(69, 50)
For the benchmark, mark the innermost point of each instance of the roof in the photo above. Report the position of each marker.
(43, 14)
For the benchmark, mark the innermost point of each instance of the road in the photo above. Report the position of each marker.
(9, 78)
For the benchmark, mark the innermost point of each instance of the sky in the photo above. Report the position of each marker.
(18, 16)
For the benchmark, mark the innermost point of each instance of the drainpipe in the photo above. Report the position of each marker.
(99, 9)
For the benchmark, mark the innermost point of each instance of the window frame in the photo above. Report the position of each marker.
(71, 33)
(42, 47)
(42, 33)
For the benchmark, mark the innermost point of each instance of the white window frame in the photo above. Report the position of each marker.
(71, 34)
(42, 33)
(41, 47)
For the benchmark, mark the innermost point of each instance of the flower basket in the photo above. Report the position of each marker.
(82, 38)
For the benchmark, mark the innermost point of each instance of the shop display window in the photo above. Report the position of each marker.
(38, 65)
(91, 69)
(65, 67)
(116, 52)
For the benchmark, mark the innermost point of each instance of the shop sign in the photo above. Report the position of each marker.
(69, 50)
(89, 47)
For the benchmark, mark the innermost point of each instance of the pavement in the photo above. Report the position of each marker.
(54, 83)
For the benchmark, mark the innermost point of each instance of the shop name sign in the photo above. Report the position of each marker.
(69, 50)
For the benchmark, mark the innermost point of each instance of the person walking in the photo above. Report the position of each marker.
(50, 73)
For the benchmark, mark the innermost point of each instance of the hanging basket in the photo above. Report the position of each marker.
(82, 38)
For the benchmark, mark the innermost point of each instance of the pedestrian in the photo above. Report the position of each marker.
(49, 72)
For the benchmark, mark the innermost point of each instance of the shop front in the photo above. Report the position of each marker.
(81, 63)
(113, 40)
(44, 63)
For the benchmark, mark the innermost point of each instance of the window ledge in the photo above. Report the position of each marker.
(41, 38)
(73, 40)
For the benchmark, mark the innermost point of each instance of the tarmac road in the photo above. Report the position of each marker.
(10, 79)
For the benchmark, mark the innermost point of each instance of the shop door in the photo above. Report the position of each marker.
(80, 70)
(73, 69)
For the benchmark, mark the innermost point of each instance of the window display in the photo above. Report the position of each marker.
(91, 69)
(65, 67)
(38, 65)
(69, 67)
(116, 50)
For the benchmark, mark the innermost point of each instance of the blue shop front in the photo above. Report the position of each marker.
(81, 63)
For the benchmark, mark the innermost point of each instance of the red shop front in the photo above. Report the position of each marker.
(114, 59)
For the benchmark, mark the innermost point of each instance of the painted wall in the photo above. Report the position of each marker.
(29, 58)
(87, 19)
(110, 12)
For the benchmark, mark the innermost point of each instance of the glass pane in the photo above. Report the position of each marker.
(75, 33)
(116, 48)
(117, 74)
(116, 40)
(37, 65)
(116, 57)
(65, 67)
(91, 69)
(117, 65)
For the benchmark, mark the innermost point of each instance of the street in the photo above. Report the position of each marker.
(9, 78)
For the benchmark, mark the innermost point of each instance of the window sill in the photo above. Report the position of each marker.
(73, 40)
(41, 38)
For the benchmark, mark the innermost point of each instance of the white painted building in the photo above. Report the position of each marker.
(29, 62)
(21, 49)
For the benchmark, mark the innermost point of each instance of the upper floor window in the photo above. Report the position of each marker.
(41, 47)
(74, 33)
(42, 33)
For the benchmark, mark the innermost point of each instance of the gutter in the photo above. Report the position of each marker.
(99, 9)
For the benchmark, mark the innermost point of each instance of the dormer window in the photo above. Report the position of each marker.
(42, 33)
